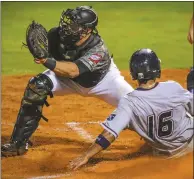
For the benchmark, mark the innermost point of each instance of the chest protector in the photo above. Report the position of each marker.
(63, 52)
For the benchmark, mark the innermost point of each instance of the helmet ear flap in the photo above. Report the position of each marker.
(158, 74)
(132, 73)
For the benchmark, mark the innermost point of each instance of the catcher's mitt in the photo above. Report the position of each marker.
(36, 40)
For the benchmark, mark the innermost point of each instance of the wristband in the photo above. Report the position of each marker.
(102, 141)
(50, 63)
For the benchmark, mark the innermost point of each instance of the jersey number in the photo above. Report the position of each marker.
(165, 124)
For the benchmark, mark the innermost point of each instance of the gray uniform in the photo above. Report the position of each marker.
(161, 115)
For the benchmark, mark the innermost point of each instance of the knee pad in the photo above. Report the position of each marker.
(37, 90)
(30, 112)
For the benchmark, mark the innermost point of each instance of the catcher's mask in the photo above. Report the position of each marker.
(76, 23)
(144, 65)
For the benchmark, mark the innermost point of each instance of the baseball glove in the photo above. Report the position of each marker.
(37, 41)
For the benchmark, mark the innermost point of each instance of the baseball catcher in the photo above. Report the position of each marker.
(77, 62)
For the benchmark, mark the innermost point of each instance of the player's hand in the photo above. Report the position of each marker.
(190, 36)
(77, 163)
(190, 33)
(40, 61)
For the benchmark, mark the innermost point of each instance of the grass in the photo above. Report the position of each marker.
(124, 26)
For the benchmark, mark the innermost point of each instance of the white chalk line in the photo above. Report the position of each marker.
(89, 122)
(75, 126)
(50, 176)
(58, 129)
(80, 131)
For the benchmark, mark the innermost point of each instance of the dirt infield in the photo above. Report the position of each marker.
(61, 139)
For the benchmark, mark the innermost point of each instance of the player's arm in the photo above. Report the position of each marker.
(114, 124)
(66, 69)
(191, 107)
(71, 69)
(190, 33)
(190, 88)
(61, 68)
(102, 142)
(190, 80)
(190, 104)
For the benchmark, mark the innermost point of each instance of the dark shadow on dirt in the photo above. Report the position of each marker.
(144, 150)
(40, 141)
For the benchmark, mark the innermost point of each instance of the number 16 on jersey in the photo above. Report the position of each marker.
(164, 124)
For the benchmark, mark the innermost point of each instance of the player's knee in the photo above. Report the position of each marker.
(37, 90)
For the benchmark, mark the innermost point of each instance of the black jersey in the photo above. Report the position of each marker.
(92, 57)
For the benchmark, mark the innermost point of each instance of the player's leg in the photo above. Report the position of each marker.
(190, 80)
(189, 148)
(61, 86)
(30, 113)
(112, 87)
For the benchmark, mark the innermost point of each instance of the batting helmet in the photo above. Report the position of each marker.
(144, 65)
(75, 22)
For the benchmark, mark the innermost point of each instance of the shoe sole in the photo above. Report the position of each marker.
(8, 154)
(12, 154)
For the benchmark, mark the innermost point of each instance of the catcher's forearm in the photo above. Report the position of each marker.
(66, 69)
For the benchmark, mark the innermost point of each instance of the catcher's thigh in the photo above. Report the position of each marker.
(63, 86)
(112, 87)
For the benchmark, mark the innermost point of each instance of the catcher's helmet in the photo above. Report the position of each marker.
(75, 22)
(144, 65)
